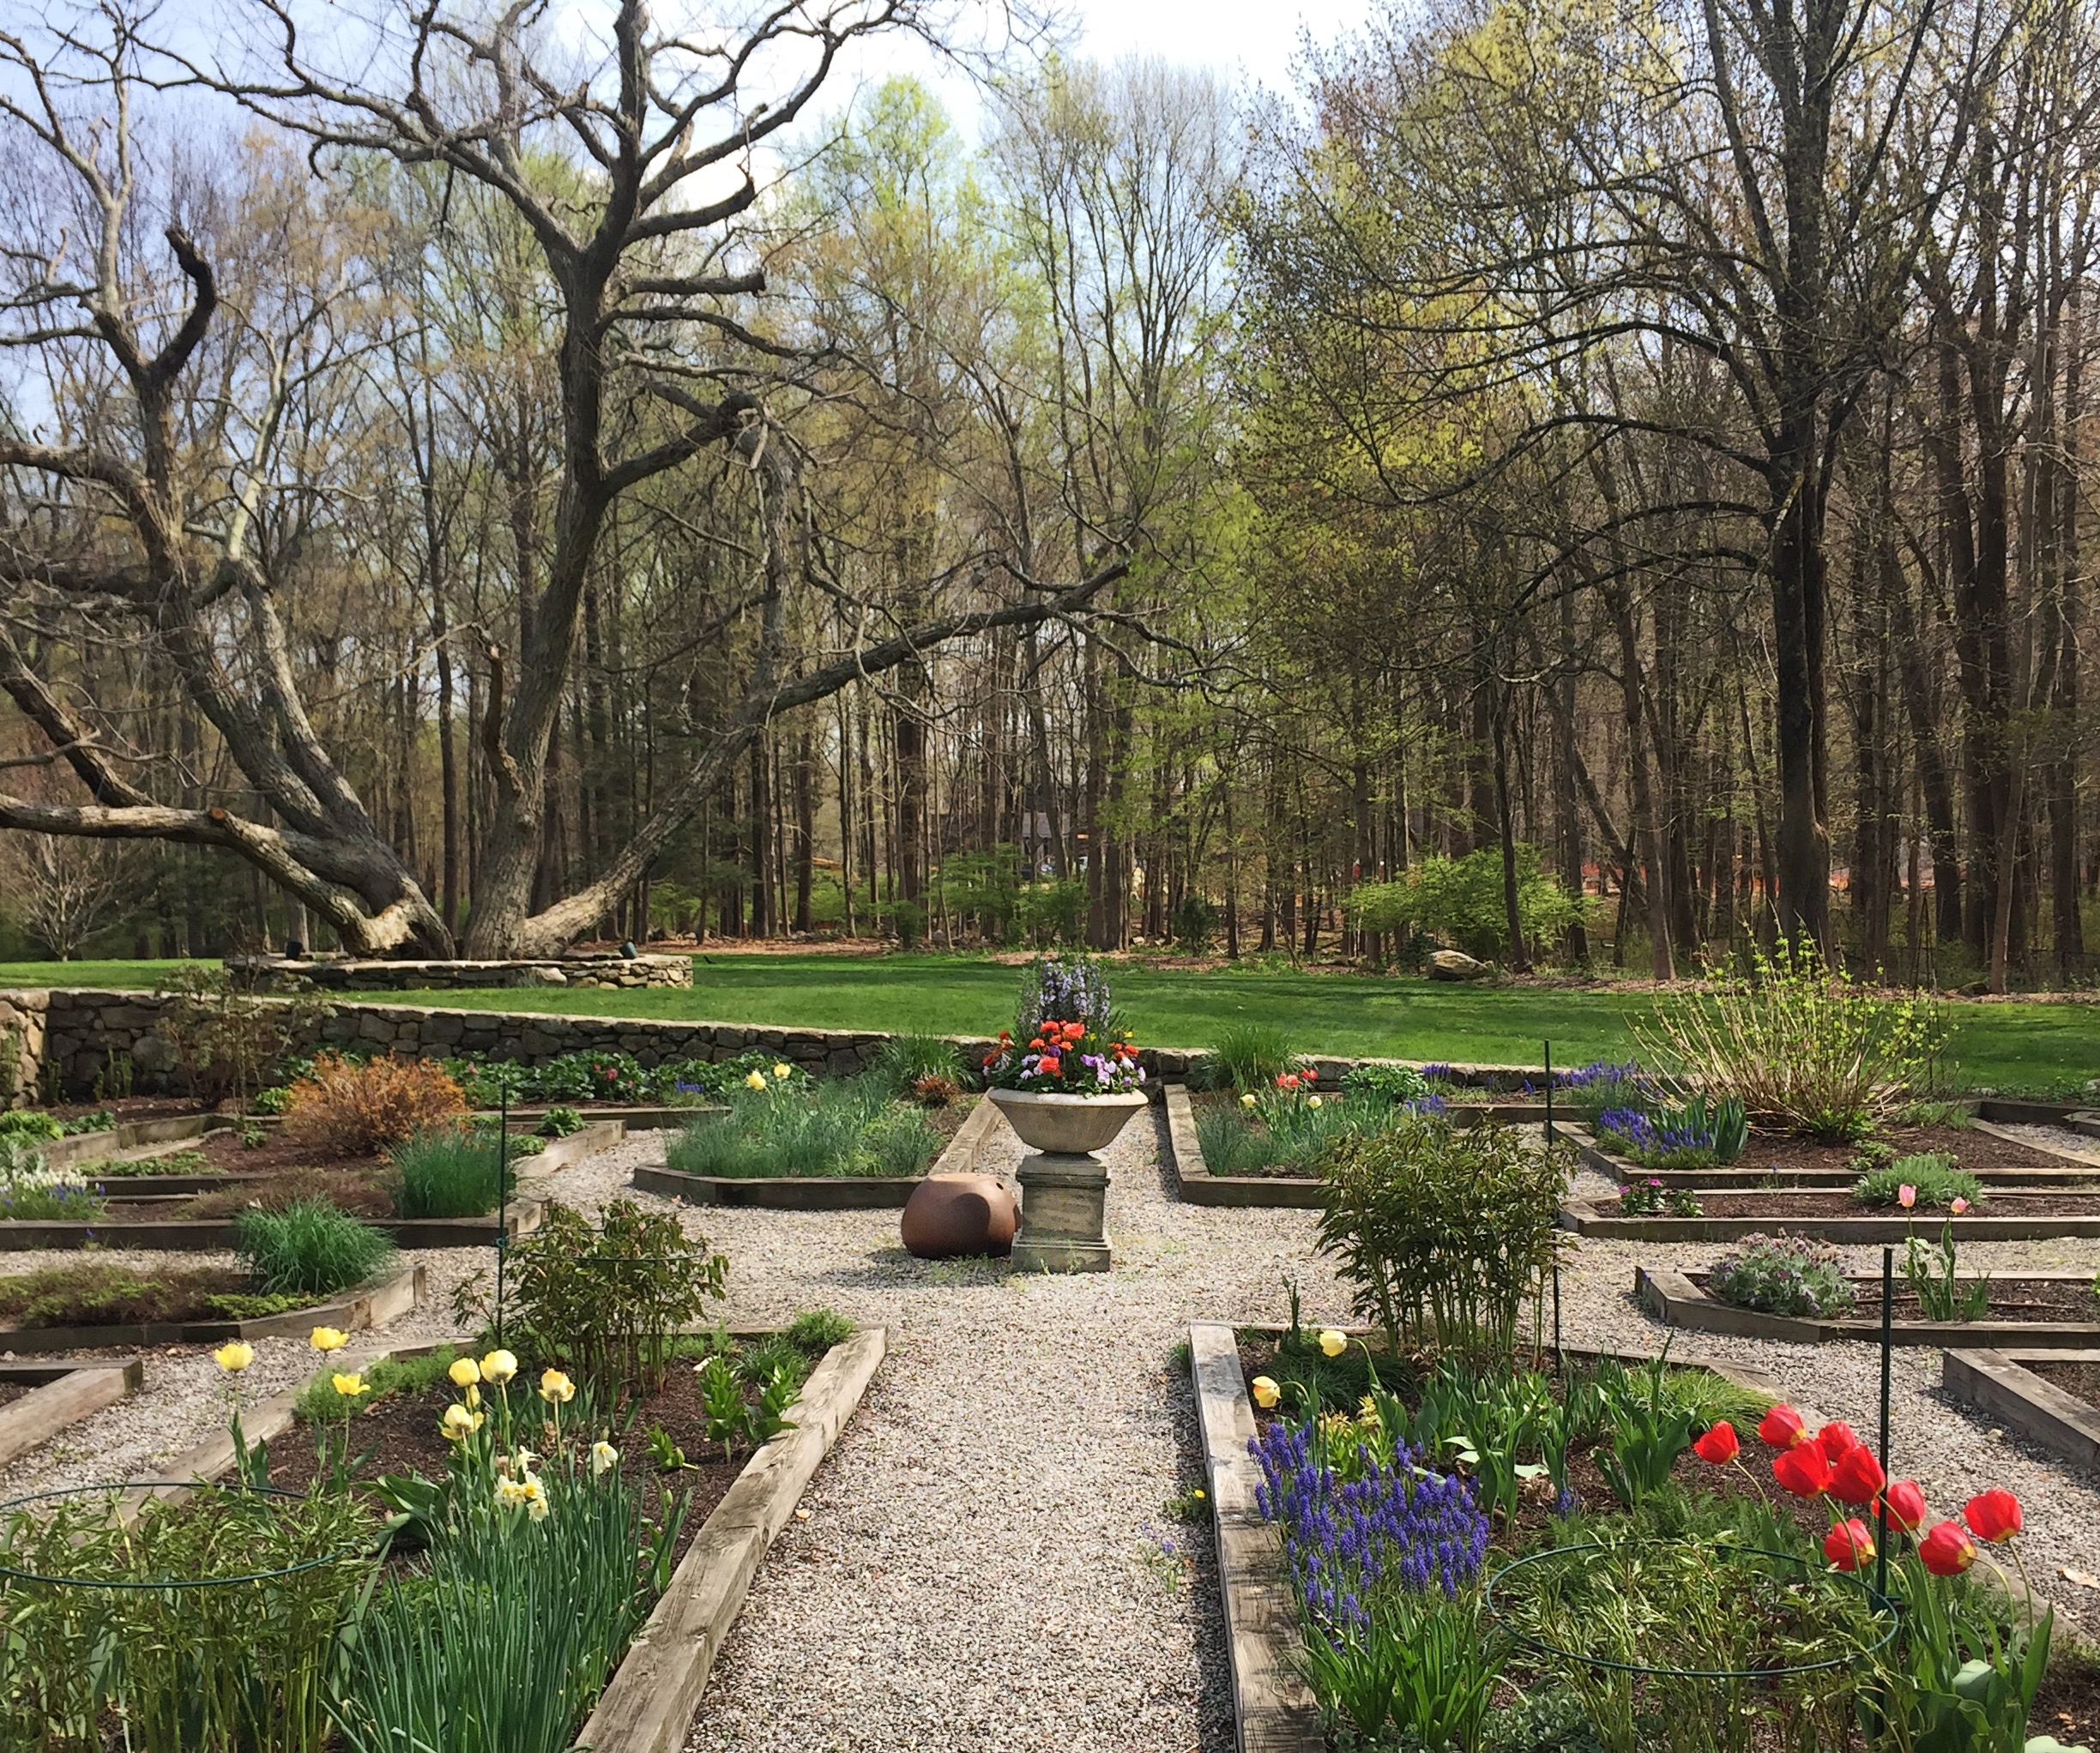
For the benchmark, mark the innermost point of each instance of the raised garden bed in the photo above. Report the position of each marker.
(2049, 1399)
(352, 1312)
(2035, 1308)
(1590, 1218)
(959, 1156)
(196, 1214)
(37, 1400)
(649, 1702)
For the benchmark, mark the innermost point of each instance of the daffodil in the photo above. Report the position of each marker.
(556, 1388)
(348, 1386)
(783, 1071)
(458, 1422)
(524, 1492)
(604, 1458)
(1266, 1393)
(499, 1366)
(464, 1372)
(756, 1079)
(1248, 1100)
(234, 1357)
(328, 1339)
(1334, 1341)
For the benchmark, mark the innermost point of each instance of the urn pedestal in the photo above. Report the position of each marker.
(1064, 1186)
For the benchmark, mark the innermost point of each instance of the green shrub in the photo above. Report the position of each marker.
(817, 1330)
(1931, 1172)
(310, 1246)
(1462, 899)
(33, 1124)
(560, 1122)
(1388, 1083)
(1442, 1234)
(905, 1059)
(446, 1172)
(1801, 1044)
(1782, 1275)
(608, 1301)
(838, 1130)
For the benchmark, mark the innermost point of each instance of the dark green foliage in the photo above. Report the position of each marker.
(1938, 1182)
(1782, 1275)
(448, 1172)
(906, 1058)
(1251, 1056)
(310, 1246)
(817, 1330)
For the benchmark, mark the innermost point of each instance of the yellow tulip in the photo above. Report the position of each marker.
(1313, 1101)
(498, 1366)
(1266, 1393)
(458, 1422)
(556, 1388)
(756, 1079)
(1333, 1342)
(1248, 1100)
(473, 1396)
(464, 1372)
(783, 1070)
(328, 1339)
(234, 1357)
(348, 1386)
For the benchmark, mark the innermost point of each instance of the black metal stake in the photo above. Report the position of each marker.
(1888, 1302)
(503, 1199)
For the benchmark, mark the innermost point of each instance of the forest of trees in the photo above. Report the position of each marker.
(463, 490)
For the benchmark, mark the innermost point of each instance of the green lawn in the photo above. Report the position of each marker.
(2002, 1046)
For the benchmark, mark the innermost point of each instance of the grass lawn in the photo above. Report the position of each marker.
(2008, 1047)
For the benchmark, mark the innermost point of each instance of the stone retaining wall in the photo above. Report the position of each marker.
(604, 972)
(22, 1046)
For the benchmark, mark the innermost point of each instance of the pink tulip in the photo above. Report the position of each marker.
(1906, 1195)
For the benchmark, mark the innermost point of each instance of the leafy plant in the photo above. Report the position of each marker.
(446, 1172)
(851, 1128)
(1931, 1175)
(1930, 1273)
(1442, 1234)
(1801, 1043)
(815, 1331)
(1782, 1276)
(349, 1108)
(31, 1191)
(903, 1061)
(225, 1036)
(32, 1123)
(559, 1122)
(1424, 1666)
(1462, 901)
(1649, 1429)
(1650, 1198)
(1251, 1057)
(317, 1402)
(609, 1300)
(1696, 1136)
(1591, 1089)
(1387, 1083)
(310, 1246)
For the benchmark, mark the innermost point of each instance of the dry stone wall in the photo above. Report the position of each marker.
(605, 973)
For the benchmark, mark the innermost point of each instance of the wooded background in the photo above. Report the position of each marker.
(1640, 443)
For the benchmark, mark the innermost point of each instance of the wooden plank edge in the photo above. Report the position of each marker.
(960, 1155)
(1273, 1709)
(44, 1412)
(648, 1704)
(355, 1313)
(2035, 1408)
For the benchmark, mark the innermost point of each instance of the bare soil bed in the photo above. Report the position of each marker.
(2081, 1380)
(1782, 1203)
(2011, 1299)
(1979, 1153)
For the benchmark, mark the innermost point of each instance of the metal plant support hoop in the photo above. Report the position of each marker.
(1880, 1604)
(128, 1487)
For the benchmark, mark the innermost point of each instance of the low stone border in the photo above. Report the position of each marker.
(60, 1395)
(1273, 1710)
(1585, 1218)
(1673, 1298)
(345, 974)
(822, 1192)
(355, 1313)
(1998, 1382)
(650, 1702)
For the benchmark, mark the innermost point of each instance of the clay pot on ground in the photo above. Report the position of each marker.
(949, 1216)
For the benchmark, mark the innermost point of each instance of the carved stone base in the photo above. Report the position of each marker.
(1063, 1202)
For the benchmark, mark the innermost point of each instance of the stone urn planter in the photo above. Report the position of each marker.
(1064, 1187)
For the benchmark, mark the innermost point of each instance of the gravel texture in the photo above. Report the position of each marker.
(987, 1557)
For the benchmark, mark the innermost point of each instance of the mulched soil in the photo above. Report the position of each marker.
(1977, 1152)
(2067, 1705)
(1782, 1203)
(401, 1433)
(2081, 1381)
(2011, 1299)
(129, 1109)
(12, 1391)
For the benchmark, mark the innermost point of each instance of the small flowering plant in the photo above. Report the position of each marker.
(1066, 1041)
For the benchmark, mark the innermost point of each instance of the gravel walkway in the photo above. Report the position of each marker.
(987, 1557)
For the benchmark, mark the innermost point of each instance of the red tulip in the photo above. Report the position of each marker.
(1805, 1472)
(1906, 1505)
(1718, 1446)
(1857, 1477)
(1947, 1551)
(1835, 1438)
(1848, 1545)
(1782, 1428)
(1994, 1516)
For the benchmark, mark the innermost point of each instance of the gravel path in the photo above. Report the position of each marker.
(987, 1557)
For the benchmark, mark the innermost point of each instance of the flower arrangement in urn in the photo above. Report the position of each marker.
(1067, 1041)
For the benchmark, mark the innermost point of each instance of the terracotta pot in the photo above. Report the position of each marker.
(1067, 1125)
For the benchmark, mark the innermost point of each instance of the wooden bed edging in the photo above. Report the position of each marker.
(648, 1705)
(822, 1192)
(1672, 1298)
(353, 1313)
(61, 1395)
(1997, 1380)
